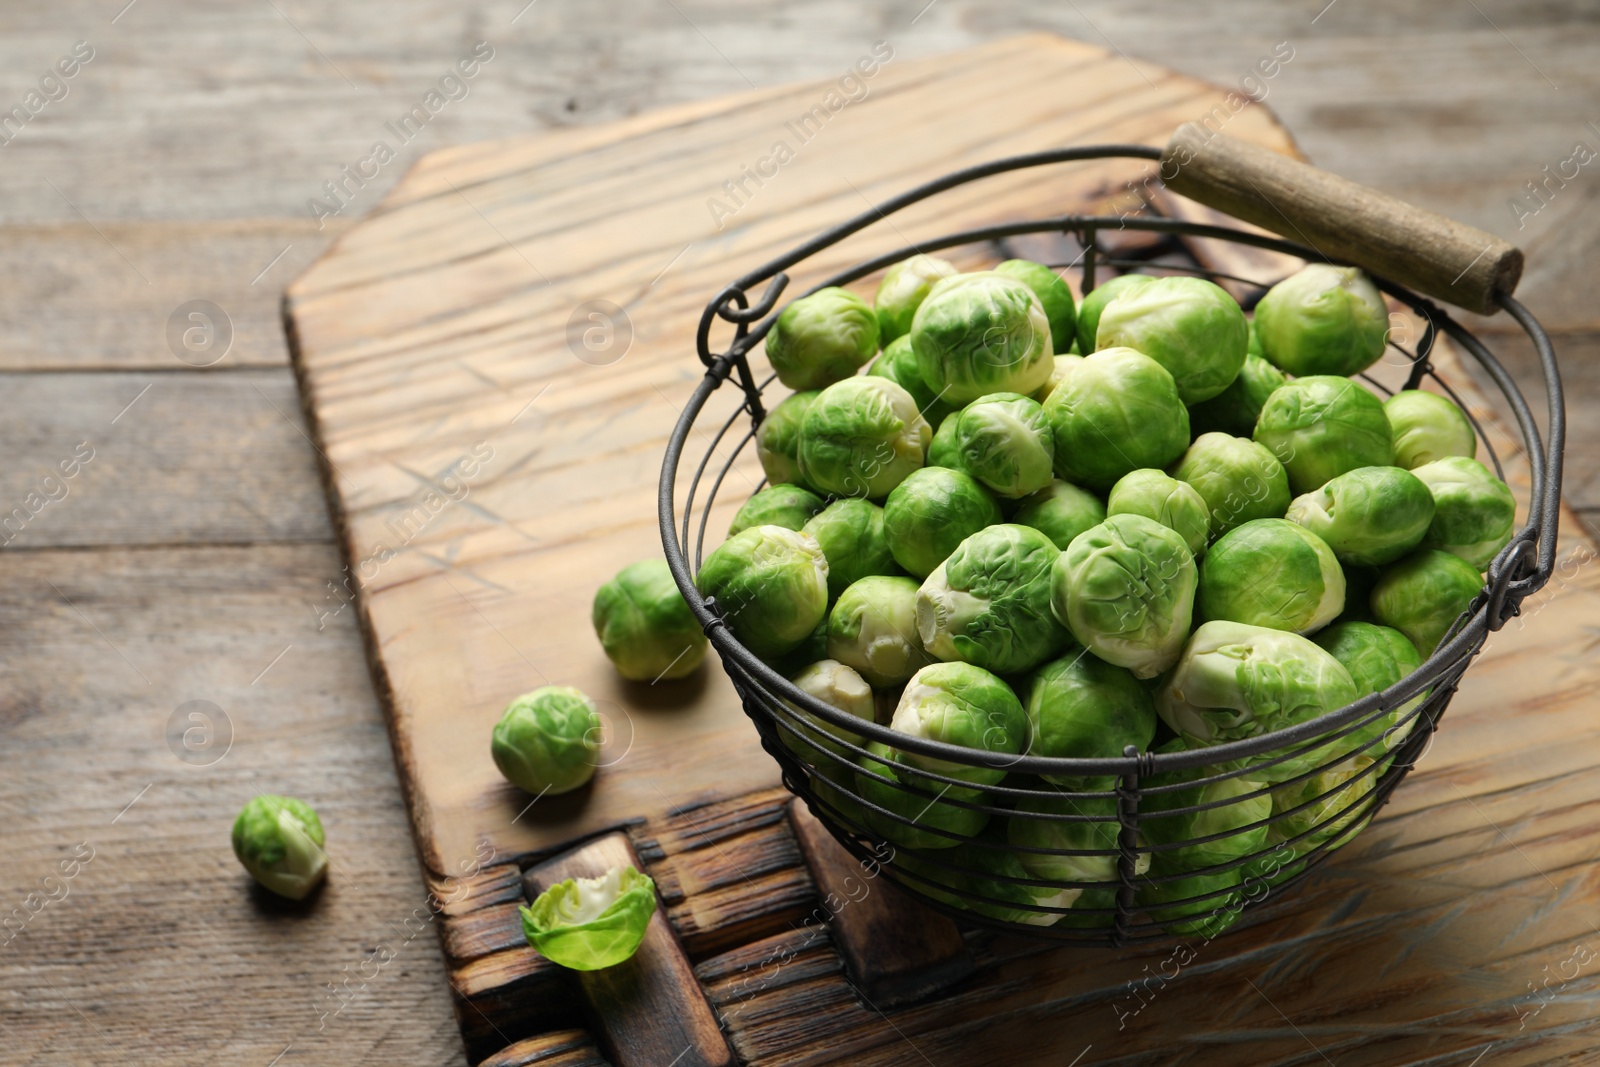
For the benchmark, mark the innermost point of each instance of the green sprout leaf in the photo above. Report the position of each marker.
(586, 924)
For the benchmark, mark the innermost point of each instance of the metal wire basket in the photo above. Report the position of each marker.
(1119, 802)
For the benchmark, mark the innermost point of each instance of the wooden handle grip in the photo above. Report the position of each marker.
(1343, 221)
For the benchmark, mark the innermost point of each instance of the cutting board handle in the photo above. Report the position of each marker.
(1342, 220)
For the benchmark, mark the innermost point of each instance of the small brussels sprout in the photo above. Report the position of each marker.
(1320, 427)
(835, 684)
(1060, 511)
(903, 289)
(1376, 657)
(861, 437)
(547, 740)
(873, 628)
(1095, 301)
(1174, 504)
(1427, 427)
(1323, 320)
(1235, 409)
(1126, 591)
(1238, 479)
(989, 603)
(1270, 572)
(899, 364)
(1474, 512)
(789, 506)
(1081, 707)
(1253, 346)
(1116, 412)
(778, 439)
(1190, 905)
(935, 818)
(1190, 326)
(1058, 371)
(1368, 516)
(822, 338)
(646, 629)
(279, 841)
(1329, 803)
(771, 585)
(850, 532)
(1235, 811)
(1052, 294)
(981, 333)
(1075, 835)
(960, 704)
(1423, 594)
(933, 511)
(1003, 440)
(585, 924)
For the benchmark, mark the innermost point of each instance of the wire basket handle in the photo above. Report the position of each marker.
(1344, 221)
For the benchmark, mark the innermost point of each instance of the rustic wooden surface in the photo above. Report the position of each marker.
(197, 543)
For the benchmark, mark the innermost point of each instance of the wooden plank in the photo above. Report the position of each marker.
(510, 996)
(563, 1048)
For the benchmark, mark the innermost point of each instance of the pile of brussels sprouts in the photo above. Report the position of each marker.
(1034, 528)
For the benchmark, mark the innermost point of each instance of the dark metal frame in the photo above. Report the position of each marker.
(787, 719)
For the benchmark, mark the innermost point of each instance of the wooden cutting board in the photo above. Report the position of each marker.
(488, 469)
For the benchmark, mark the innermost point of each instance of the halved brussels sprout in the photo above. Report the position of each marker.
(1060, 511)
(861, 437)
(837, 685)
(931, 813)
(585, 924)
(1126, 591)
(1235, 409)
(1095, 301)
(1320, 427)
(903, 289)
(1273, 573)
(822, 338)
(1081, 707)
(1190, 326)
(873, 628)
(933, 511)
(1238, 479)
(898, 363)
(279, 841)
(1003, 440)
(960, 704)
(771, 585)
(1323, 320)
(1175, 504)
(547, 740)
(1474, 512)
(778, 439)
(1376, 657)
(850, 532)
(1116, 412)
(1427, 427)
(981, 333)
(1423, 594)
(789, 506)
(1368, 516)
(989, 603)
(1052, 294)
(646, 629)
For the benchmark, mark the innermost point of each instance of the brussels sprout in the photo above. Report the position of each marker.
(771, 585)
(1376, 657)
(1368, 516)
(1270, 572)
(1003, 440)
(960, 704)
(1238, 479)
(1095, 301)
(1235, 409)
(279, 841)
(850, 532)
(930, 808)
(861, 437)
(1052, 294)
(1474, 512)
(585, 924)
(807, 652)
(1069, 835)
(981, 333)
(1060, 511)
(1235, 681)
(1190, 326)
(1081, 707)
(989, 603)
(778, 439)
(822, 338)
(1320, 427)
(1192, 904)
(833, 788)
(837, 685)
(933, 511)
(1423, 594)
(1156, 495)
(1236, 810)
(646, 629)
(1330, 803)
(1115, 412)
(873, 628)
(987, 877)
(1253, 346)
(1427, 427)
(547, 740)
(1323, 320)
(903, 289)
(789, 506)
(1058, 371)
(899, 364)
(1126, 591)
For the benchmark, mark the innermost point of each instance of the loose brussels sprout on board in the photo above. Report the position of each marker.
(1369, 516)
(547, 740)
(788, 506)
(850, 533)
(778, 439)
(771, 585)
(903, 289)
(822, 338)
(1238, 479)
(873, 628)
(1427, 427)
(1190, 326)
(837, 685)
(1320, 427)
(279, 841)
(861, 437)
(989, 603)
(981, 333)
(1003, 440)
(1323, 320)
(1474, 512)
(1175, 504)
(646, 629)
(1235, 409)
(1060, 511)
(586, 924)
(1423, 594)
(933, 511)
(1095, 301)
(1052, 294)
(1115, 412)
(1081, 707)
(898, 363)
(1270, 572)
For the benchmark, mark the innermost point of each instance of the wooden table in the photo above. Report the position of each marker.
(190, 558)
